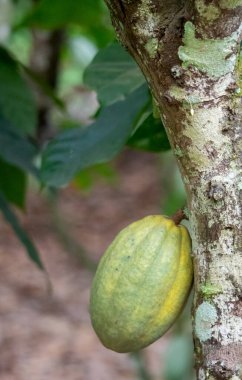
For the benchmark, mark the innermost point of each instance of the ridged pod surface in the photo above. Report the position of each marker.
(141, 283)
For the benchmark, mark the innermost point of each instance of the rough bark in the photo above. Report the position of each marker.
(188, 51)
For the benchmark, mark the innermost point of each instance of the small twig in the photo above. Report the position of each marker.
(45, 63)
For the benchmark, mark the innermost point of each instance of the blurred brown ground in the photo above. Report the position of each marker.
(46, 337)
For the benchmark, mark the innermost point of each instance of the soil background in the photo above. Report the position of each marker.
(49, 337)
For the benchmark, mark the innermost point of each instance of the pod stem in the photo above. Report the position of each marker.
(179, 216)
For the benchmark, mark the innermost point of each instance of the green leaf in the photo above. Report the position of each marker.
(16, 100)
(100, 34)
(44, 88)
(113, 74)
(15, 148)
(150, 136)
(85, 179)
(11, 218)
(87, 17)
(12, 183)
(78, 148)
(58, 13)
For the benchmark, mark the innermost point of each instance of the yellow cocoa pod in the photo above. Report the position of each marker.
(141, 283)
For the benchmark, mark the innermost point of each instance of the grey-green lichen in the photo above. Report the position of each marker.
(214, 57)
(178, 152)
(181, 95)
(176, 92)
(207, 11)
(206, 316)
(210, 290)
(230, 4)
(151, 47)
(147, 21)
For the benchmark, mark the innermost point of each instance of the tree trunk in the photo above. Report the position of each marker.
(189, 52)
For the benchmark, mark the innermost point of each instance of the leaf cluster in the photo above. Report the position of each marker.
(125, 115)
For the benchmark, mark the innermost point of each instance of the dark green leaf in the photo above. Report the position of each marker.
(85, 179)
(89, 17)
(78, 148)
(12, 183)
(11, 218)
(58, 13)
(15, 148)
(100, 34)
(44, 87)
(150, 136)
(16, 100)
(113, 74)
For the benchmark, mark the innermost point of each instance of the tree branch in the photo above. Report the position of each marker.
(189, 54)
(45, 62)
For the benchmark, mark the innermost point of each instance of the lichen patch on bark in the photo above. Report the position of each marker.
(212, 56)
(230, 4)
(205, 317)
(209, 12)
